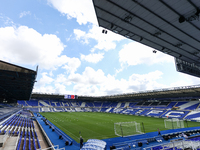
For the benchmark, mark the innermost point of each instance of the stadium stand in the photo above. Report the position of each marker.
(179, 22)
(163, 109)
(94, 144)
(185, 110)
(19, 125)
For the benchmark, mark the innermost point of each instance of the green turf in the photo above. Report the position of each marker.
(100, 125)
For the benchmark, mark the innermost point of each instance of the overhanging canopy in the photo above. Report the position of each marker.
(16, 83)
(169, 26)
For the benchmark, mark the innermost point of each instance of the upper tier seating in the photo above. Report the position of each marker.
(106, 104)
(194, 115)
(154, 109)
(175, 114)
(192, 105)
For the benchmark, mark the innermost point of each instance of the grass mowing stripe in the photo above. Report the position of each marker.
(100, 125)
(67, 131)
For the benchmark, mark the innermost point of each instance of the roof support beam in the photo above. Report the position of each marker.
(179, 14)
(167, 21)
(155, 26)
(146, 32)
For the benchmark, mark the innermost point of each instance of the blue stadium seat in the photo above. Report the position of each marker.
(34, 146)
(24, 146)
(38, 143)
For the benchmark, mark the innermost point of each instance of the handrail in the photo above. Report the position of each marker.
(45, 135)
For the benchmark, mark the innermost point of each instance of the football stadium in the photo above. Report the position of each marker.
(156, 119)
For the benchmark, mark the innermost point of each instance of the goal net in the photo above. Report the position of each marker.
(173, 123)
(127, 128)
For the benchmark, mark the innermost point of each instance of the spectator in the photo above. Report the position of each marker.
(159, 132)
(81, 142)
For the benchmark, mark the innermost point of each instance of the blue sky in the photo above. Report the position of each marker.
(63, 38)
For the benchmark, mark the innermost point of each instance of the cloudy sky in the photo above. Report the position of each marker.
(63, 38)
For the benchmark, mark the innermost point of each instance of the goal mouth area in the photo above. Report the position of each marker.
(125, 129)
(174, 123)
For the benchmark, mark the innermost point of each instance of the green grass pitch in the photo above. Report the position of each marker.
(94, 125)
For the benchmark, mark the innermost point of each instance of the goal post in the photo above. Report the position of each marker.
(173, 123)
(127, 128)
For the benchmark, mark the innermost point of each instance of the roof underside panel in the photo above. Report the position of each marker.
(12, 67)
(16, 83)
(156, 24)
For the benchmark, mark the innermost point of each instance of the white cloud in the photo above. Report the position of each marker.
(24, 13)
(185, 80)
(25, 45)
(101, 84)
(89, 76)
(93, 77)
(79, 33)
(95, 83)
(104, 41)
(60, 88)
(61, 78)
(44, 89)
(6, 20)
(83, 11)
(135, 53)
(71, 64)
(145, 81)
(43, 85)
(45, 79)
(92, 58)
(81, 36)
(88, 90)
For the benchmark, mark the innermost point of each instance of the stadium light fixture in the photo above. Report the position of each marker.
(179, 45)
(191, 18)
(157, 34)
(128, 18)
(181, 19)
(115, 31)
(127, 36)
(141, 38)
(104, 31)
(194, 17)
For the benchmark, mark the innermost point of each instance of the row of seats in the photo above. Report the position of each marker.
(26, 134)
(162, 105)
(20, 124)
(94, 144)
(180, 114)
(188, 134)
(6, 112)
(14, 123)
(178, 145)
(191, 105)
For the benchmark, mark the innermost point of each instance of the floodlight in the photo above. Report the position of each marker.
(154, 51)
(181, 19)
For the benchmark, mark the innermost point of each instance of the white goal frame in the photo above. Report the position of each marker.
(127, 128)
(173, 123)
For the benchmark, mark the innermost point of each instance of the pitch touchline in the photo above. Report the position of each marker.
(69, 131)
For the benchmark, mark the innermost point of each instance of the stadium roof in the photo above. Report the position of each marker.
(169, 26)
(185, 92)
(176, 93)
(16, 83)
